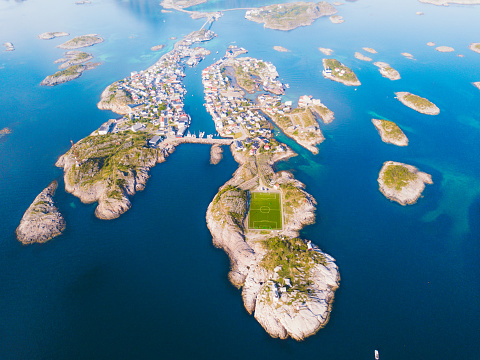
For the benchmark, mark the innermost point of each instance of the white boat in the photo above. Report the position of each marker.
(201, 134)
(377, 356)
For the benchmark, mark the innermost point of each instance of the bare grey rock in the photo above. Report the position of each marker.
(42, 221)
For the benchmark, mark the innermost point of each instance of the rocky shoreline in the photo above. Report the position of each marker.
(417, 103)
(115, 100)
(42, 221)
(64, 76)
(390, 132)
(52, 35)
(81, 41)
(387, 71)
(404, 193)
(281, 310)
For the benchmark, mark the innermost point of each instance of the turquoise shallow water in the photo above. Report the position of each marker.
(151, 285)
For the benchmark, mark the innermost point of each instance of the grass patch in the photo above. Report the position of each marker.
(392, 129)
(335, 64)
(418, 101)
(397, 176)
(294, 258)
(265, 211)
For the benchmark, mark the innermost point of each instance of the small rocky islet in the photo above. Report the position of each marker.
(390, 132)
(402, 183)
(42, 221)
(417, 103)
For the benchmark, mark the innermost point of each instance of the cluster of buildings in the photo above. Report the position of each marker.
(158, 92)
(234, 115)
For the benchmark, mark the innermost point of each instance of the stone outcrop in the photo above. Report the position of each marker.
(387, 71)
(42, 221)
(410, 191)
(216, 154)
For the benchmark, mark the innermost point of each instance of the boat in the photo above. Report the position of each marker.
(377, 356)
(201, 134)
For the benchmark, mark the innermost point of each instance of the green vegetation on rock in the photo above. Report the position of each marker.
(392, 129)
(334, 64)
(419, 102)
(397, 176)
(111, 159)
(295, 260)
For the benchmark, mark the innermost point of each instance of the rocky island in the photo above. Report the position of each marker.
(81, 41)
(390, 132)
(280, 49)
(408, 55)
(417, 103)
(287, 283)
(9, 46)
(444, 49)
(387, 71)
(370, 50)
(52, 35)
(336, 71)
(477, 84)
(475, 47)
(402, 183)
(430, 43)
(362, 57)
(42, 221)
(216, 154)
(157, 47)
(326, 51)
(289, 16)
(63, 76)
(5, 131)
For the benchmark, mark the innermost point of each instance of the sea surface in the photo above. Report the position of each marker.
(150, 285)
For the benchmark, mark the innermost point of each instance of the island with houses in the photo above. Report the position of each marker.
(290, 296)
(336, 71)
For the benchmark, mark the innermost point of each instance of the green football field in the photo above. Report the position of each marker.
(265, 211)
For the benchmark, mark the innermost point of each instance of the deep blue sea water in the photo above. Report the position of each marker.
(151, 285)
